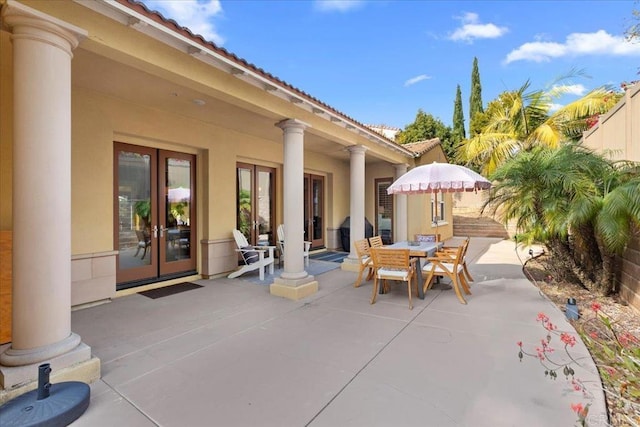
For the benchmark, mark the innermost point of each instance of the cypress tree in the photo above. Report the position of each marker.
(458, 117)
(475, 99)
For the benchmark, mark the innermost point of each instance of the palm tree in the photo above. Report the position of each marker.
(521, 120)
(579, 204)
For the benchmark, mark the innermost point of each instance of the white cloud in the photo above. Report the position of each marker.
(576, 44)
(577, 90)
(416, 79)
(554, 107)
(472, 29)
(337, 5)
(196, 15)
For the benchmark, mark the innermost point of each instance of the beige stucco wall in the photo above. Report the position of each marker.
(618, 132)
(100, 117)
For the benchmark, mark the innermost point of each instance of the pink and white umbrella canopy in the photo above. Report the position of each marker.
(439, 178)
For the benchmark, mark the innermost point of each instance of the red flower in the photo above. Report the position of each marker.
(568, 339)
(595, 306)
(577, 408)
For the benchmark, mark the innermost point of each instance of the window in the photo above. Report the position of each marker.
(437, 200)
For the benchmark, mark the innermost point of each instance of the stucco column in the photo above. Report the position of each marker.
(294, 282)
(356, 197)
(42, 47)
(400, 214)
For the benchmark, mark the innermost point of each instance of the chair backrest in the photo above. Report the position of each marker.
(465, 246)
(376, 241)
(390, 258)
(280, 232)
(248, 256)
(362, 248)
(241, 240)
(459, 256)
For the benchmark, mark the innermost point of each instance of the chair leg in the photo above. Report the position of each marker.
(137, 252)
(356, 284)
(370, 274)
(456, 287)
(465, 284)
(428, 282)
(466, 272)
(144, 253)
(374, 294)
(409, 283)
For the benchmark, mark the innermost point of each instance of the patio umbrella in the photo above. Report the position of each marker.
(179, 194)
(438, 178)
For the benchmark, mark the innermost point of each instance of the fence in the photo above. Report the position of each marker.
(617, 133)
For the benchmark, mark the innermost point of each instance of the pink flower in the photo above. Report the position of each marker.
(543, 317)
(568, 339)
(519, 343)
(577, 408)
(595, 306)
(627, 339)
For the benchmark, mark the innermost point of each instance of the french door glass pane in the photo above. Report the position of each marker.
(178, 209)
(265, 222)
(134, 209)
(317, 208)
(244, 213)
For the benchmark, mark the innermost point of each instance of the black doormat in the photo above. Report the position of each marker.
(170, 290)
(331, 256)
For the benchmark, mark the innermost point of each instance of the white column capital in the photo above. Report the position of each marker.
(292, 124)
(28, 23)
(401, 169)
(357, 149)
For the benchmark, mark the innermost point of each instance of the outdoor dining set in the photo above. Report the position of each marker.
(401, 262)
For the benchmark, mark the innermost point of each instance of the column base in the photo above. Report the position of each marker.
(75, 365)
(294, 289)
(350, 264)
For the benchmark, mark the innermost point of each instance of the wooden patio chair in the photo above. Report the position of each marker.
(253, 256)
(447, 264)
(376, 242)
(280, 243)
(144, 242)
(392, 264)
(453, 249)
(364, 257)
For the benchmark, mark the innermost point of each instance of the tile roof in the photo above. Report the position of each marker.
(171, 24)
(422, 147)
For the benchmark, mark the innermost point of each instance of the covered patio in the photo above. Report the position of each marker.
(230, 354)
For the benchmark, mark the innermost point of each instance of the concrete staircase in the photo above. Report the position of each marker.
(472, 225)
(467, 220)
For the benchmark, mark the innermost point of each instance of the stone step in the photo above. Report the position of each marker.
(475, 226)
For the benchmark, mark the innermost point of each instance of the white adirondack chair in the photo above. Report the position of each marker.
(280, 242)
(253, 256)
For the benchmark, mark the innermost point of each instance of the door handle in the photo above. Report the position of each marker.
(155, 231)
(162, 230)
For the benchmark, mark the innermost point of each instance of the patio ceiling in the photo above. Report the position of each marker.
(196, 82)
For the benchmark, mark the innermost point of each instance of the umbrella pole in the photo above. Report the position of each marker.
(435, 208)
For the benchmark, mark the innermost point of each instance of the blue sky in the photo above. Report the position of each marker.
(380, 61)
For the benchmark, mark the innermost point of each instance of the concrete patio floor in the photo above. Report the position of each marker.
(230, 354)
